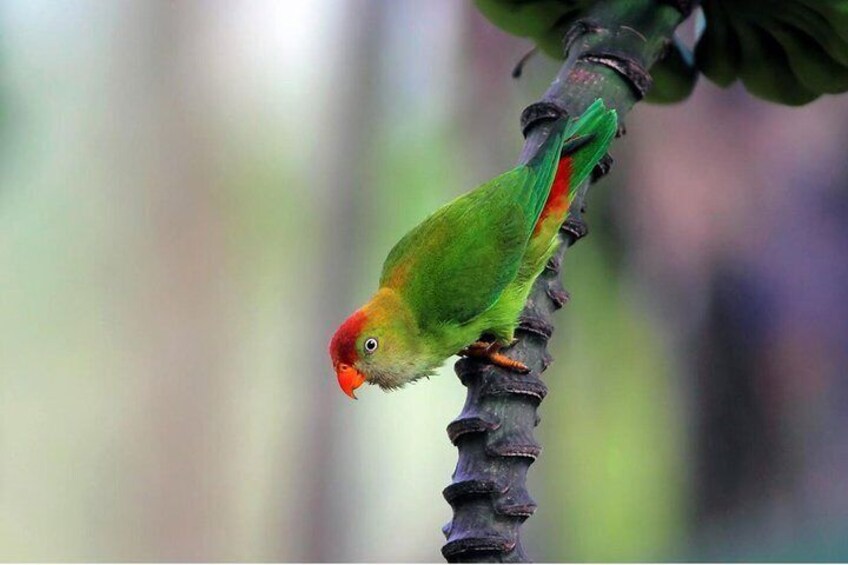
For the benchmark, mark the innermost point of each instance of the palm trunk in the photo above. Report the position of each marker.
(608, 52)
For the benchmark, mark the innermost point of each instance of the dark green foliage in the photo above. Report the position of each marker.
(785, 51)
(788, 51)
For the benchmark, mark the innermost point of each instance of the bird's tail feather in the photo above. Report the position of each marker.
(586, 141)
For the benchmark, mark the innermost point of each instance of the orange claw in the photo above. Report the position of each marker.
(502, 360)
(491, 353)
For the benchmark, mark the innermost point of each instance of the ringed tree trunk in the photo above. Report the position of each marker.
(608, 53)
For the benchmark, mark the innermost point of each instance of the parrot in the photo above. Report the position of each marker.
(457, 282)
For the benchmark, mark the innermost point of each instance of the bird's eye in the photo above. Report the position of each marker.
(370, 345)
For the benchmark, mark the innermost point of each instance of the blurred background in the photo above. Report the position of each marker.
(194, 194)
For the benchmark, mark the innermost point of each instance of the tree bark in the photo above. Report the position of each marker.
(608, 52)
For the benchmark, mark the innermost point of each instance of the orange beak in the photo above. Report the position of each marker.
(349, 379)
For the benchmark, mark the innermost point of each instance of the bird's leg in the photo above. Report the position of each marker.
(476, 349)
(491, 353)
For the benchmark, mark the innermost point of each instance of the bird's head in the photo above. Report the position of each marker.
(378, 344)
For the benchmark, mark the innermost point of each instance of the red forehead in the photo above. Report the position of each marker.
(343, 344)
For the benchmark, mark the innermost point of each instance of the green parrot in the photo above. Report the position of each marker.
(466, 271)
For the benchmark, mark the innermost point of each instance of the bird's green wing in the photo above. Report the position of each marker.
(455, 264)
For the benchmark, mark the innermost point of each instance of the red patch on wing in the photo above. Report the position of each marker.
(343, 344)
(557, 203)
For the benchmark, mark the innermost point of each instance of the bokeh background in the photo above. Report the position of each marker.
(194, 194)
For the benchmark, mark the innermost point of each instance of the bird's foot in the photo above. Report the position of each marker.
(491, 353)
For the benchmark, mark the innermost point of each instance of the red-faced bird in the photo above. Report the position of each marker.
(466, 271)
